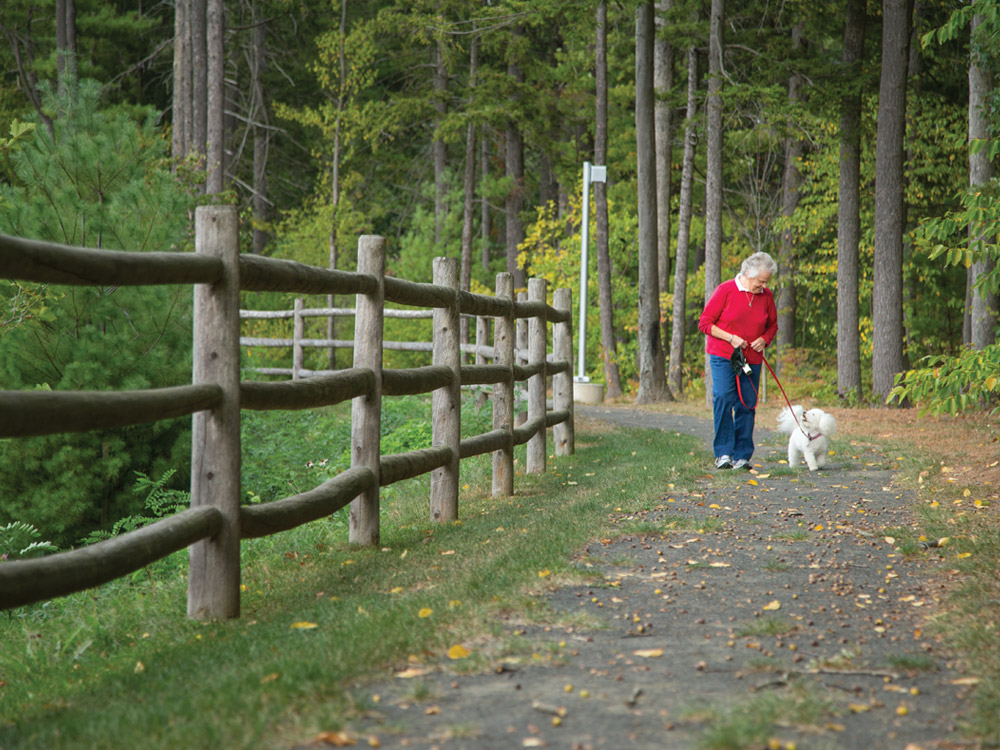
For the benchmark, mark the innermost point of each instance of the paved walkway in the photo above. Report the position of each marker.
(785, 619)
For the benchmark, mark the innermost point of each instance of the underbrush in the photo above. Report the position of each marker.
(121, 666)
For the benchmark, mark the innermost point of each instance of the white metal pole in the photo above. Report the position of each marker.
(581, 372)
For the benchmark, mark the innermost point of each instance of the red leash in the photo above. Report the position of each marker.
(739, 391)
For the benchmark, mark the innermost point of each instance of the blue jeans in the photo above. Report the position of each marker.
(733, 421)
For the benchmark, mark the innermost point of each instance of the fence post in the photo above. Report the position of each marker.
(214, 564)
(521, 357)
(366, 411)
(537, 345)
(446, 406)
(563, 434)
(503, 393)
(298, 333)
(482, 336)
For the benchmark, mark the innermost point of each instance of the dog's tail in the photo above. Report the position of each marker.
(789, 419)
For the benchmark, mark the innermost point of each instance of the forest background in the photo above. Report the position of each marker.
(851, 140)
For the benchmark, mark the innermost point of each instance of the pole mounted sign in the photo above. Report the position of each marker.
(590, 174)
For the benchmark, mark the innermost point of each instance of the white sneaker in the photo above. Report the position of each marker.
(723, 462)
(741, 463)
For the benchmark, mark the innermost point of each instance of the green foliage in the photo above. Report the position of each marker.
(160, 502)
(969, 381)
(19, 540)
(101, 181)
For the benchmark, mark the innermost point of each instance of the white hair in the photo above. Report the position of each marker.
(758, 263)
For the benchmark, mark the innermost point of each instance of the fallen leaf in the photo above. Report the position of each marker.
(458, 651)
(448, 552)
(412, 672)
(890, 540)
(432, 710)
(544, 573)
(859, 708)
(965, 681)
(752, 481)
(337, 739)
(269, 678)
(304, 625)
(139, 667)
(425, 612)
(648, 653)
(720, 565)
(772, 606)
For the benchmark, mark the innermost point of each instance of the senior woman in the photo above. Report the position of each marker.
(740, 314)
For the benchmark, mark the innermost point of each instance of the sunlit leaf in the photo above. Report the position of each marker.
(304, 625)
(772, 606)
(458, 651)
(425, 612)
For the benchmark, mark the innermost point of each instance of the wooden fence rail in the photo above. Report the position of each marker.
(216, 522)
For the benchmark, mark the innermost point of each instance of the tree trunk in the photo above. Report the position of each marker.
(713, 177)
(215, 167)
(469, 190)
(652, 375)
(484, 204)
(849, 211)
(181, 132)
(514, 233)
(609, 349)
(199, 78)
(261, 134)
(663, 83)
(331, 321)
(790, 182)
(440, 149)
(678, 322)
(887, 293)
(984, 303)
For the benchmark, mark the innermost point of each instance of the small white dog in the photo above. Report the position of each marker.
(809, 432)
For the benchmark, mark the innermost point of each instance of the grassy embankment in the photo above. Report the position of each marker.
(122, 667)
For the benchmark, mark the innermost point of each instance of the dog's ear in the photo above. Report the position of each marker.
(828, 424)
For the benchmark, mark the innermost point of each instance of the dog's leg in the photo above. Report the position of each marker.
(811, 460)
(793, 456)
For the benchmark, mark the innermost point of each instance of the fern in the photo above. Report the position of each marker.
(160, 502)
(19, 540)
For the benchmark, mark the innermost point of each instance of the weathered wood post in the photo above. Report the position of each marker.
(537, 345)
(563, 434)
(446, 405)
(503, 393)
(366, 411)
(298, 333)
(214, 564)
(482, 336)
(521, 357)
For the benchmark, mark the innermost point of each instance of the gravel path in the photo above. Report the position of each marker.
(781, 615)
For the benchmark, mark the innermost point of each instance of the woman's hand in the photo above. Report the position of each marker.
(737, 342)
(758, 345)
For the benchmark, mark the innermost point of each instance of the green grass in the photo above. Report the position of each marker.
(767, 626)
(121, 666)
(775, 565)
(912, 662)
(752, 724)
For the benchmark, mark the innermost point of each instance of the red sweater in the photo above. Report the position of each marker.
(747, 315)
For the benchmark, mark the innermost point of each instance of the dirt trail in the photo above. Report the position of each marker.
(781, 615)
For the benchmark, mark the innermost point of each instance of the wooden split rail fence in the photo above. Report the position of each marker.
(216, 522)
